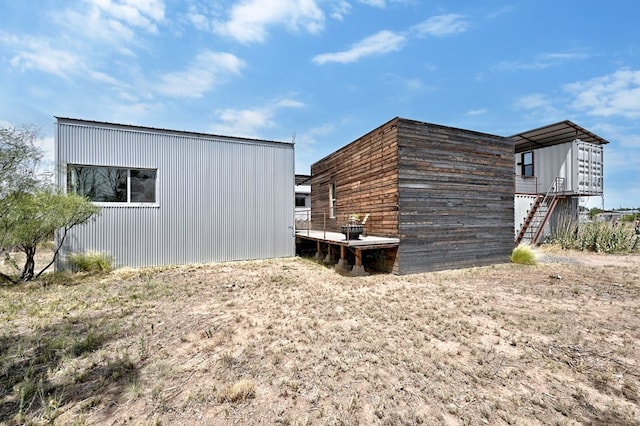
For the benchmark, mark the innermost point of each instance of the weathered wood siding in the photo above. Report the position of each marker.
(366, 176)
(455, 197)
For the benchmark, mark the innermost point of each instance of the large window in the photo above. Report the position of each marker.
(112, 184)
(527, 164)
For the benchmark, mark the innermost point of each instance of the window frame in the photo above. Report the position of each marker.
(333, 200)
(527, 169)
(128, 188)
(303, 198)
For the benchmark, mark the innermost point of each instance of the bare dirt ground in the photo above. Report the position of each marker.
(292, 342)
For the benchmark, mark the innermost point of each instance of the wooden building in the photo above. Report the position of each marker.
(444, 194)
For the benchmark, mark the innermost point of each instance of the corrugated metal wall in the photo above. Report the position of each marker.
(589, 170)
(580, 163)
(218, 198)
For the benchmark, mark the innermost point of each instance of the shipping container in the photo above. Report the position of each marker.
(579, 165)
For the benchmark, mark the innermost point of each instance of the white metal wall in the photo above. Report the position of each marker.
(580, 163)
(218, 198)
(522, 205)
(589, 170)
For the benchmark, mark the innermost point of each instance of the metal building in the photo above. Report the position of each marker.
(555, 166)
(176, 197)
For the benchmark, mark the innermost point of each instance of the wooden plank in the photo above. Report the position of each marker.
(455, 197)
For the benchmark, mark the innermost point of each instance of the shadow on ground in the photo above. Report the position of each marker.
(54, 365)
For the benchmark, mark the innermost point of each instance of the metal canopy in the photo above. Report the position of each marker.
(303, 180)
(554, 134)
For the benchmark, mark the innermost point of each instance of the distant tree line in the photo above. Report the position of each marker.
(625, 218)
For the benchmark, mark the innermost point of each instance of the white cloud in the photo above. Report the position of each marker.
(243, 122)
(382, 42)
(562, 56)
(540, 62)
(306, 141)
(475, 112)
(208, 69)
(539, 106)
(114, 22)
(199, 21)
(616, 94)
(37, 54)
(533, 101)
(101, 77)
(624, 136)
(382, 3)
(499, 12)
(441, 25)
(249, 19)
(289, 103)
(92, 25)
(339, 9)
(374, 3)
(250, 122)
(136, 13)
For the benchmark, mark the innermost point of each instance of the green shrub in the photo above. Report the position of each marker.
(91, 261)
(524, 255)
(603, 237)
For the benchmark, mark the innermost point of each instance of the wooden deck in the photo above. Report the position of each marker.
(364, 243)
(368, 242)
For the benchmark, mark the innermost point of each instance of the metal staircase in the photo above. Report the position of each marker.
(540, 212)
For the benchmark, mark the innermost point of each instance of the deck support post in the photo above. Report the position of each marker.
(329, 257)
(342, 263)
(358, 269)
(318, 250)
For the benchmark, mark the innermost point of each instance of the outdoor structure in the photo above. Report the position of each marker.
(303, 201)
(175, 197)
(432, 197)
(555, 165)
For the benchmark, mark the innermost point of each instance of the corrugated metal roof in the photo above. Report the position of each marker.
(554, 134)
(155, 130)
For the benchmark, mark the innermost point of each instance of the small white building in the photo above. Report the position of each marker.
(303, 201)
(176, 197)
(555, 165)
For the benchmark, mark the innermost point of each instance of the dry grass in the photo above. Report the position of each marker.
(292, 342)
(239, 391)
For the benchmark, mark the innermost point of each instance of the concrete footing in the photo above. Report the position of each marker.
(358, 271)
(342, 265)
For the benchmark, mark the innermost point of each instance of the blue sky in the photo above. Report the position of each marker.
(324, 72)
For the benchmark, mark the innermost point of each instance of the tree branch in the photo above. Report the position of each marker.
(55, 253)
(8, 278)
